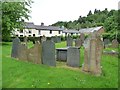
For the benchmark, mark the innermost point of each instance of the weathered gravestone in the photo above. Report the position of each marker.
(115, 43)
(69, 41)
(15, 47)
(73, 57)
(22, 52)
(78, 42)
(106, 42)
(25, 40)
(93, 53)
(82, 37)
(43, 38)
(34, 53)
(58, 39)
(48, 53)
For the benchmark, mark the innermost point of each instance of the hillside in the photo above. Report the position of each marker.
(108, 19)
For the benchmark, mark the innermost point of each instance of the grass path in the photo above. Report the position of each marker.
(19, 74)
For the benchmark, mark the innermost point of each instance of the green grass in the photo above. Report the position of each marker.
(19, 74)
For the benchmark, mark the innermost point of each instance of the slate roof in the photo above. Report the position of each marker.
(89, 30)
(29, 25)
(70, 31)
(39, 27)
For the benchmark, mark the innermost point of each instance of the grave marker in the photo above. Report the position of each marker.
(73, 57)
(48, 53)
(15, 47)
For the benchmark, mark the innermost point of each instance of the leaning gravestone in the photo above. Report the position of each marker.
(34, 53)
(69, 41)
(93, 53)
(73, 57)
(22, 52)
(15, 47)
(48, 53)
(115, 43)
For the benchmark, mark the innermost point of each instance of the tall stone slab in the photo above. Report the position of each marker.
(93, 53)
(86, 66)
(73, 57)
(35, 53)
(22, 52)
(69, 41)
(48, 53)
(15, 47)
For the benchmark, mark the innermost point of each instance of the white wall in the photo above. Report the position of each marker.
(37, 33)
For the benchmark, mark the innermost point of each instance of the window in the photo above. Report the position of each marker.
(21, 35)
(39, 32)
(59, 32)
(71, 33)
(17, 35)
(21, 31)
(30, 31)
(29, 35)
(50, 31)
(34, 35)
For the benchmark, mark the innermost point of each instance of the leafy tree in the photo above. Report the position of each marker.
(90, 13)
(13, 16)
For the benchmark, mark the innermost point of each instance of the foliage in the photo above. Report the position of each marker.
(13, 16)
(108, 19)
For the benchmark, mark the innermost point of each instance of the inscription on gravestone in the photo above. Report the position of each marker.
(73, 57)
(48, 53)
(15, 47)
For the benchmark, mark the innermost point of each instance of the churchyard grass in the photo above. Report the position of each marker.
(20, 74)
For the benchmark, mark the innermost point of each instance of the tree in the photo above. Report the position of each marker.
(13, 16)
(90, 13)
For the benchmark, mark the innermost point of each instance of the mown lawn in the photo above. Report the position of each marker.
(19, 74)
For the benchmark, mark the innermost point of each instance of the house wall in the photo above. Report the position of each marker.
(48, 34)
(37, 33)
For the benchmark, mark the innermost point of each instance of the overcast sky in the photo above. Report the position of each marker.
(51, 11)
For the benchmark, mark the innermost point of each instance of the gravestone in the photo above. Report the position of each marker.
(82, 37)
(34, 53)
(43, 38)
(15, 47)
(73, 57)
(106, 42)
(115, 43)
(93, 53)
(25, 40)
(69, 41)
(78, 42)
(48, 53)
(58, 39)
(23, 52)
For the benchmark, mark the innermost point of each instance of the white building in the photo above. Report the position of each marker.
(31, 30)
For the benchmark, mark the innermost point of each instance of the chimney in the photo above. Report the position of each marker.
(42, 24)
